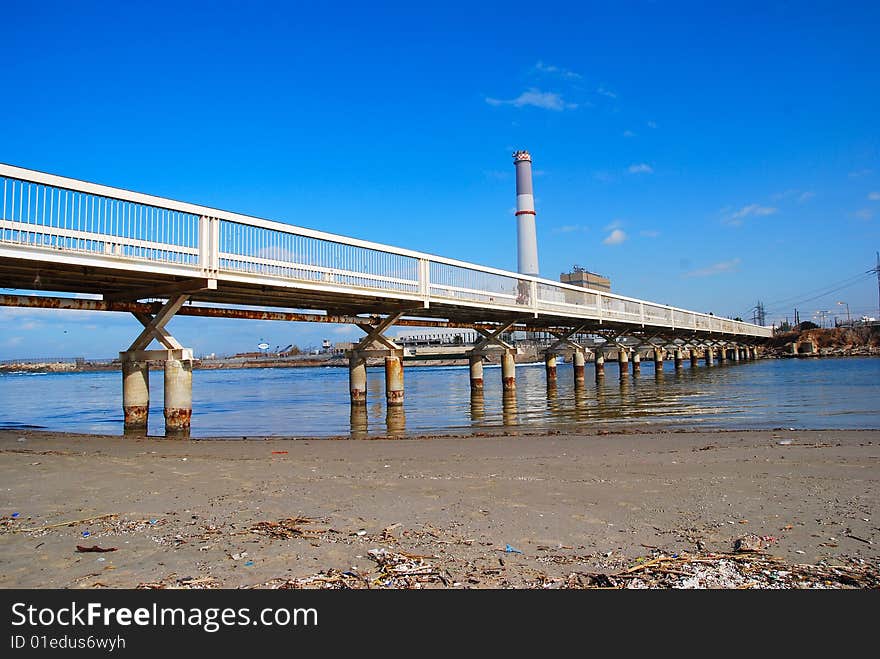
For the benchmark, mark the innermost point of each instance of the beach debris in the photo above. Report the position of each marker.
(70, 523)
(249, 564)
(184, 583)
(279, 452)
(401, 570)
(292, 527)
(785, 442)
(238, 556)
(95, 548)
(855, 537)
(15, 515)
(719, 570)
(511, 550)
(747, 543)
(387, 534)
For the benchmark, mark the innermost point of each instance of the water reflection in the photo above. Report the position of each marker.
(509, 415)
(395, 421)
(828, 393)
(478, 405)
(359, 421)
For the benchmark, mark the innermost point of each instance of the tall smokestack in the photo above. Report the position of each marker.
(526, 238)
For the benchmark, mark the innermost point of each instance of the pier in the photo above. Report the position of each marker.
(60, 234)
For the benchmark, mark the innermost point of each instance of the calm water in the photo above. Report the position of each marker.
(798, 393)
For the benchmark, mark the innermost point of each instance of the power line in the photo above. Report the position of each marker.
(863, 277)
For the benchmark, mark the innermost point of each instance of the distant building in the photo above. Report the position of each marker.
(581, 277)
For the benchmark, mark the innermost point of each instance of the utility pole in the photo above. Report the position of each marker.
(877, 270)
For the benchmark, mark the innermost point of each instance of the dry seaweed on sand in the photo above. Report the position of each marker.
(292, 527)
(721, 570)
(181, 583)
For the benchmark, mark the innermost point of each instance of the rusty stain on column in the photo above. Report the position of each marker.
(622, 360)
(476, 364)
(393, 380)
(693, 356)
(178, 394)
(135, 394)
(579, 360)
(658, 359)
(600, 364)
(357, 378)
(550, 367)
(636, 362)
(508, 370)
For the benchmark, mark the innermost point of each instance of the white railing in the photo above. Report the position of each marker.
(59, 216)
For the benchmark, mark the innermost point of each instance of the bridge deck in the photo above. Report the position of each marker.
(63, 235)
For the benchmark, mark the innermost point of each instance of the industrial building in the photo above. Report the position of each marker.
(581, 277)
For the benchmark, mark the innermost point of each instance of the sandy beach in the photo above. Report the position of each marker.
(212, 513)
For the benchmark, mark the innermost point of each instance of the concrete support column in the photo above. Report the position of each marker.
(722, 354)
(178, 394)
(508, 370)
(636, 362)
(476, 364)
(600, 364)
(622, 361)
(550, 367)
(754, 352)
(658, 359)
(579, 359)
(357, 379)
(736, 353)
(135, 394)
(679, 358)
(693, 356)
(709, 355)
(393, 380)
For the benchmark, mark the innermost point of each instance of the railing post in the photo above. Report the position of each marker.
(642, 313)
(425, 281)
(204, 242)
(533, 290)
(599, 306)
(214, 251)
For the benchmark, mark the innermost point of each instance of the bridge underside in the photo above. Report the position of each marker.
(124, 284)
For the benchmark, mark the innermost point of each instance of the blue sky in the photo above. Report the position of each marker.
(699, 156)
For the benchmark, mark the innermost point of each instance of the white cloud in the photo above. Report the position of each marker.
(616, 237)
(640, 168)
(570, 228)
(549, 69)
(535, 98)
(752, 210)
(652, 124)
(715, 269)
(606, 92)
(614, 224)
(874, 196)
(628, 133)
(805, 197)
(864, 214)
(649, 234)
